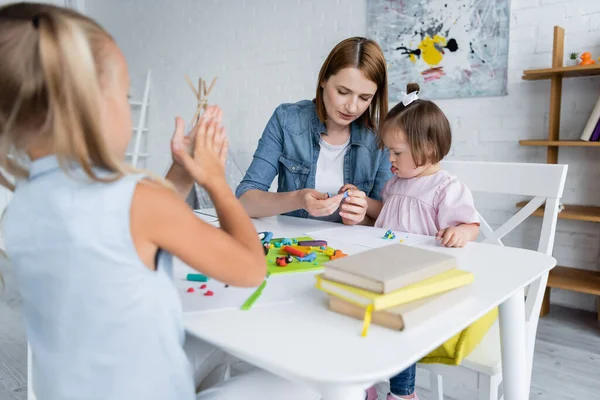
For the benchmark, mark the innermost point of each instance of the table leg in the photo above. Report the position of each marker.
(513, 347)
(342, 392)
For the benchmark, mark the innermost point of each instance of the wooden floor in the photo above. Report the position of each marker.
(566, 365)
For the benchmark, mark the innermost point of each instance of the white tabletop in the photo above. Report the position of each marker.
(302, 340)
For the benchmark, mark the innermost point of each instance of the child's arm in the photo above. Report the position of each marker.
(162, 220)
(458, 236)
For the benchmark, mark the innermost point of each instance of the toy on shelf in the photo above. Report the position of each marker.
(389, 235)
(586, 59)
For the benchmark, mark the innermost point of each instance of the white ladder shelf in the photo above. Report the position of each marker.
(140, 128)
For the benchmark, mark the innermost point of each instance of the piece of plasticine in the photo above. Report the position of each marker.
(191, 290)
(268, 237)
(294, 252)
(346, 194)
(308, 258)
(208, 293)
(252, 299)
(203, 287)
(312, 243)
(197, 277)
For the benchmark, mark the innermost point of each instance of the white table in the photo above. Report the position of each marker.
(304, 342)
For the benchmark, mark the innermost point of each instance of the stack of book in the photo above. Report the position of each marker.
(389, 286)
(591, 132)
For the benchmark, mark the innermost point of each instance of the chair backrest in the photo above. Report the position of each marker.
(545, 183)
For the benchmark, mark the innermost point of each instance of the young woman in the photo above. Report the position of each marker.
(326, 146)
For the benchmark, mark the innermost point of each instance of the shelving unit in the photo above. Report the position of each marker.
(140, 129)
(578, 280)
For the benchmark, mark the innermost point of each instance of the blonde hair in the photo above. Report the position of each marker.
(366, 56)
(54, 64)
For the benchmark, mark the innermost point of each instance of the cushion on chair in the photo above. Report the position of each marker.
(454, 350)
(486, 357)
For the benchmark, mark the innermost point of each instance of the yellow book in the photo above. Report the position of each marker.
(440, 283)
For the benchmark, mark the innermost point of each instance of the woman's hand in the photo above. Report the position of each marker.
(319, 204)
(354, 207)
(204, 155)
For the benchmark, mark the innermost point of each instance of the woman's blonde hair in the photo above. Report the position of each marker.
(53, 65)
(366, 56)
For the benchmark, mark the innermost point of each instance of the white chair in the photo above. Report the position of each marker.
(482, 369)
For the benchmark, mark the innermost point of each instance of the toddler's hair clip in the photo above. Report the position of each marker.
(406, 99)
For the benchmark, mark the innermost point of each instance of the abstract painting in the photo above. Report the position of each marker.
(451, 48)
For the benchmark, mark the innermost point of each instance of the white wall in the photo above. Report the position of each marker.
(266, 52)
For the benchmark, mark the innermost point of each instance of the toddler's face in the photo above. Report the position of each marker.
(116, 113)
(403, 164)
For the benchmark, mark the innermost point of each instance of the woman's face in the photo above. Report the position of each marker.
(347, 95)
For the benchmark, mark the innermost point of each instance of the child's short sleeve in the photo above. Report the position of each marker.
(455, 205)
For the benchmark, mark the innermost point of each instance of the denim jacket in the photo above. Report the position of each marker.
(289, 147)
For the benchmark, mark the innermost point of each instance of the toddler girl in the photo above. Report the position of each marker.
(421, 198)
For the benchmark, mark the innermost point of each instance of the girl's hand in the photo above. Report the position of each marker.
(206, 164)
(452, 237)
(319, 204)
(181, 141)
(354, 207)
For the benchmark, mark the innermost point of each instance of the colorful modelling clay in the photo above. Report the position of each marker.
(307, 258)
(197, 277)
(294, 252)
(337, 254)
(190, 290)
(389, 235)
(312, 243)
(208, 293)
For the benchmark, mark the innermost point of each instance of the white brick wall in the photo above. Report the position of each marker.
(266, 52)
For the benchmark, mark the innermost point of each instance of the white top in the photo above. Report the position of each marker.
(276, 337)
(330, 167)
(101, 324)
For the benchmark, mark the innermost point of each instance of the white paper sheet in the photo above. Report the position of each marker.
(365, 236)
(279, 289)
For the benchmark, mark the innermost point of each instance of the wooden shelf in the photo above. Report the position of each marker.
(577, 280)
(565, 72)
(559, 143)
(571, 212)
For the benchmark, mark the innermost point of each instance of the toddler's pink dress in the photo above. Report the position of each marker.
(427, 204)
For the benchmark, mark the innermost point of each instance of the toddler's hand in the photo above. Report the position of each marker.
(208, 146)
(452, 237)
(319, 204)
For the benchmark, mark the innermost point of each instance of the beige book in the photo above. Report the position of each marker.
(389, 268)
(406, 315)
